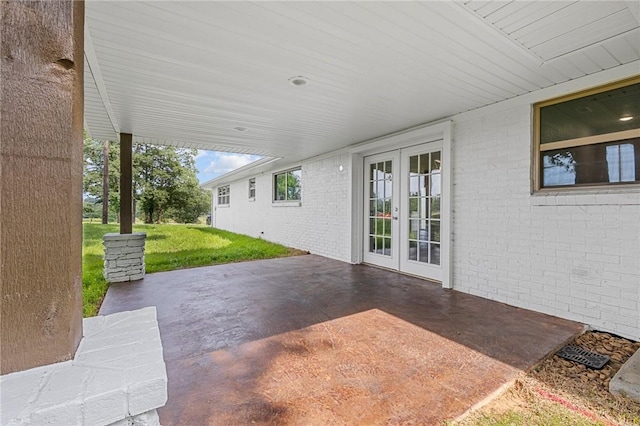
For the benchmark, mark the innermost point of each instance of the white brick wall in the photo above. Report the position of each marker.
(320, 224)
(575, 255)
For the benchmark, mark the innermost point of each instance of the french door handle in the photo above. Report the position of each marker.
(394, 217)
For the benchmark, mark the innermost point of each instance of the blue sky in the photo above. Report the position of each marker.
(212, 164)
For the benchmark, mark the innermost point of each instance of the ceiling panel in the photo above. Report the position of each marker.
(550, 30)
(188, 73)
(98, 123)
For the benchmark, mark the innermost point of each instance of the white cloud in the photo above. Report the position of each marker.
(224, 163)
(201, 154)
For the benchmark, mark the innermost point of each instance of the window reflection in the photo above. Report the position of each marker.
(609, 163)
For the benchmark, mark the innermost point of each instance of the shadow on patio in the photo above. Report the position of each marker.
(309, 340)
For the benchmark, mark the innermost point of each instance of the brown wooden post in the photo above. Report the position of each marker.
(40, 181)
(105, 183)
(126, 179)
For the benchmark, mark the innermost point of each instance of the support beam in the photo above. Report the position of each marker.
(40, 181)
(126, 180)
(105, 182)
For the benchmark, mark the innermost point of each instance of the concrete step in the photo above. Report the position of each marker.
(627, 380)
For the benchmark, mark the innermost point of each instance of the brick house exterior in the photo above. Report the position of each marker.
(572, 254)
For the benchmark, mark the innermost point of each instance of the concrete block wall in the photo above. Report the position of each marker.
(319, 223)
(573, 254)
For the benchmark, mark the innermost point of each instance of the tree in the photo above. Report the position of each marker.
(166, 184)
(589, 164)
(190, 202)
(288, 185)
(93, 174)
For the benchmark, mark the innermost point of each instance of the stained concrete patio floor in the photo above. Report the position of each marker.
(309, 340)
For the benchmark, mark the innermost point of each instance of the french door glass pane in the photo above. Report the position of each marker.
(435, 162)
(435, 254)
(423, 252)
(435, 231)
(414, 168)
(424, 164)
(435, 207)
(380, 202)
(413, 250)
(424, 208)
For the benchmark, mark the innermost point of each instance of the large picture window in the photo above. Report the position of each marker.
(224, 195)
(287, 186)
(591, 138)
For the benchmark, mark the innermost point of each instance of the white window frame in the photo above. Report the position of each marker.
(274, 199)
(224, 195)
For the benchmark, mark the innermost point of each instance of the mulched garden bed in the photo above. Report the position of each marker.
(561, 392)
(588, 386)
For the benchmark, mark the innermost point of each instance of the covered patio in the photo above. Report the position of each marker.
(310, 340)
(320, 90)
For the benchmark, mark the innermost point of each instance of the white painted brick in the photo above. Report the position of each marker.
(143, 395)
(105, 383)
(67, 413)
(106, 407)
(149, 418)
(588, 236)
(320, 224)
(555, 252)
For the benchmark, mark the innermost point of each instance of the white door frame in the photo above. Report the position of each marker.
(424, 134)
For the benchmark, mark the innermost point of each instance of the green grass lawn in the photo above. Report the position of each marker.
(170, 247)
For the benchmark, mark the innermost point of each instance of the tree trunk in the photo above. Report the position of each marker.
(105, 183)
(148, 215)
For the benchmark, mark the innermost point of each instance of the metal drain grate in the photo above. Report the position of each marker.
(577, 354)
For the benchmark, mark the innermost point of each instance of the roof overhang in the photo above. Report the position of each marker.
(215, 75)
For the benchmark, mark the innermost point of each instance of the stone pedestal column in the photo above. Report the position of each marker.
(124, 257)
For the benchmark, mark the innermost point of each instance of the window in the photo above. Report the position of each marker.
(252, 188)
(591, 138)
(287, 186)
(224, 195)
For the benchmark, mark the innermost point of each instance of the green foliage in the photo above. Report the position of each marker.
(91, 209)
(165, 182)
(289, 185)
(191, 203)
(170, 247)
(92, 174)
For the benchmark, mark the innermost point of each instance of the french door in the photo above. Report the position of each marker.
(402, 209)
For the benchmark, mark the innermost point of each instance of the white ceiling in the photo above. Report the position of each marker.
(187, 73)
